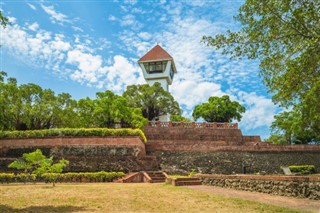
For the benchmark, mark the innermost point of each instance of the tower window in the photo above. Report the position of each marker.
(155, 67)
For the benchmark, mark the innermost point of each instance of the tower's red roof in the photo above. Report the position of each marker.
(155, 54)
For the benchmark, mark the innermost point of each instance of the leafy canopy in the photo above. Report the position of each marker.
(219, 110)
(3, 20)
(29, 107)
(153, 100)
(285, 36)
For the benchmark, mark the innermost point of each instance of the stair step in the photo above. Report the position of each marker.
(158, 181)
(188, 183)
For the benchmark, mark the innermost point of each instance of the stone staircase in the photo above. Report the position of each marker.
(157, 176)
(144, 177)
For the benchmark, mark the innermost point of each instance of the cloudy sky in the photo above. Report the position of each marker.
(83, 47)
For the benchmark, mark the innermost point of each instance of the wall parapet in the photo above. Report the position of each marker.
(189, 125)
(292, 186)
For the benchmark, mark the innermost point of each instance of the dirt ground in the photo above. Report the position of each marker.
(289, 202)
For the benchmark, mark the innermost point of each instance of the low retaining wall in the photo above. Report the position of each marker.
(293, 186)
(86, 154)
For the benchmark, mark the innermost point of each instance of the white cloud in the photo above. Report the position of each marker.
(55, 16)
(78, 29)
(191, 93)
(87, 63)
(40, 48)
(32, 6)
(131, 2)
(130, 20)
(259, 110)
(145, 35)
(112, 18)
(34, 26)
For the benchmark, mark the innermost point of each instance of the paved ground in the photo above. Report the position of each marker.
(289, 202)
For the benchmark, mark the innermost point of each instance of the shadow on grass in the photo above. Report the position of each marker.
(5, 208)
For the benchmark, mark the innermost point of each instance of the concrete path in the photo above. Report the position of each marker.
(288, 202)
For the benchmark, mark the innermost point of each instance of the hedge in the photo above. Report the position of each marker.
(303, 169)
(72, 132)
(101, 176)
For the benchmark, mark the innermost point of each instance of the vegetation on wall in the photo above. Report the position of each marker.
(284, 36)
(72, 132)
(303, 169)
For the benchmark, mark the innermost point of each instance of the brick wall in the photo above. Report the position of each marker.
(223, 151)
(304, 187)
(84, 153)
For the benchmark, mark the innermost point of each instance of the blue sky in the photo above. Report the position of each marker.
(83, 47)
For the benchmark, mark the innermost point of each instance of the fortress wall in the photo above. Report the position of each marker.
(232, 162)
(223, 151)
(175, 150)
(84, 153)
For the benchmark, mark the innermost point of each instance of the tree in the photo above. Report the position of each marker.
(36, 163)
(153, 100)
(4, 21)
(109, 110)
(289, 127)
(219, 110)
(285, 37)
(179, 118)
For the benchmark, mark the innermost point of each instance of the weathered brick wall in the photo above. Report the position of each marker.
(84, 153)
(232, 162)
(304, 187)
(223, 151)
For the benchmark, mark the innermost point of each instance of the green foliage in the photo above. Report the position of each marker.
(101, 176)
(38, 164)
(290, 128)
(24, 177)
(193, 172)
(219, 110)
(72, 132)
(303, 169)
(153, 100)
(7, 177)
(110, 109)
(3, 20)
(284, 36)
(29, 107)
(179, 118)
(29, 162)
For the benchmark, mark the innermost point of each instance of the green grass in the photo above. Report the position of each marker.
(113, 197)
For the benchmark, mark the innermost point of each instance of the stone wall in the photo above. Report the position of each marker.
(223, 151)
(84, 153)
(231, 162)
(304, 187)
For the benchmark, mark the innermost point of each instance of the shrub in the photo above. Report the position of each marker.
(303, 169)
(72, 132)
(7, 177)
(101, 176)
(24, 177)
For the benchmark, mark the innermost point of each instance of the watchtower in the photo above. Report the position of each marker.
(158, 66)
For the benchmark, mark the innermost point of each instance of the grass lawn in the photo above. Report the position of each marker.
(114, 197)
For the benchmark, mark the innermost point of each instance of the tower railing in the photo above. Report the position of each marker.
(192, 125)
